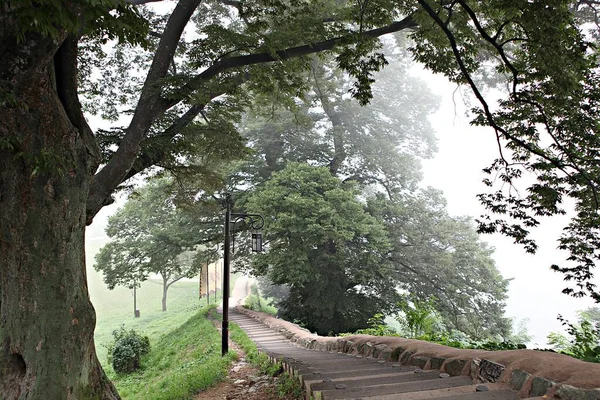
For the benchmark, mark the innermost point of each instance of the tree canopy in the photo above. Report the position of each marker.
(325, 246)
(374, 151)
(195, 86)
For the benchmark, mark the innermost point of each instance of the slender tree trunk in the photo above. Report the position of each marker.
(135, 314)
(164, 296)
(46, 318)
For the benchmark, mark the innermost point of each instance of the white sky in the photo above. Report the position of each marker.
(463, 151)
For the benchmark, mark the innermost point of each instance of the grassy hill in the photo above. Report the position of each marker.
(185, 361)
(115, 307)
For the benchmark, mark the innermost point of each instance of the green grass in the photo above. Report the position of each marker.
(185, 354)
(184, 362)
(115, 307)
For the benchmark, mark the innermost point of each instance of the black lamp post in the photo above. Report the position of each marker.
(256, 222)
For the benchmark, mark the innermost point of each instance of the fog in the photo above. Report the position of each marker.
(463, 151)
(456, 169)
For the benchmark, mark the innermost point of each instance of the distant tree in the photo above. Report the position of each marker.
(381, 143)
(592, 314)
(150, 235)
(325, 247)
(379, 148)
(520, 332)
(434, 255)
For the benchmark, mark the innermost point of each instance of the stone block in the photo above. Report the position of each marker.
(406, 356)
(490, 371)
(518, 379)
(540, 386)
(347, 346)
(378, 349)
(367, 349)
(436, 362)
(396, 353)
(419, 361)
(567, 392)
(454, 367)
(386, 353)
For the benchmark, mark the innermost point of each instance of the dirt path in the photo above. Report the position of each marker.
(244, 381)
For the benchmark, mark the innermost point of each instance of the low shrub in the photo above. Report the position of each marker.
(256, 302)
(126, 350)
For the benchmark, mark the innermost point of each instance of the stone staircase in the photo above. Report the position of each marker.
(338, 375)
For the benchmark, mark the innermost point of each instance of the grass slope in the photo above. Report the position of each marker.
(184, 361)
(115, 307)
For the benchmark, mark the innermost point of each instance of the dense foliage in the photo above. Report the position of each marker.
(325, 246)
(583, 338)
(126, 350)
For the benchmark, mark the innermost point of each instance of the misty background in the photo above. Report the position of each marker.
(534, 295)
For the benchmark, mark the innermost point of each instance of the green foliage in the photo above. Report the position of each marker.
(289, 387)
(112, 19)
(151, 234)
(256, 302)
(324, 246)
(454, 338)
(439, 256)
(182, 362)
(584, 337)
(546, 121)
(126, 350)
(419, 316)
(377, 327)
(378, 148)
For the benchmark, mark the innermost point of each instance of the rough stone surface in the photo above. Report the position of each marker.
(405, 357)
(378, 349)
(386, 354)
(518, 379)
(567, 392)
(419, 361)
(396, 353)
(436, 362)
(454, 367)
(490, 371)
(554, 367)
(540, 386)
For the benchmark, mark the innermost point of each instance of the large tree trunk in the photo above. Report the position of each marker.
(46, 318)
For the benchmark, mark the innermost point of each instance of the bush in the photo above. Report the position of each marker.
(583, 341)
(256, 302)
(125, 352)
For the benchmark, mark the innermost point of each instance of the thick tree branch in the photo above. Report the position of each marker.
(150, 105)
(147, 160)
(282, 55)
(148, 109)
(65, 71)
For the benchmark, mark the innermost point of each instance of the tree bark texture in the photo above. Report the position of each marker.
(46, 165)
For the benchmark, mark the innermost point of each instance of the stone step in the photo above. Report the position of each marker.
(340, 391)
(495, 391)
(333, 375)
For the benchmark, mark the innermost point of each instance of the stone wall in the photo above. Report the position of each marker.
(531, 373)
